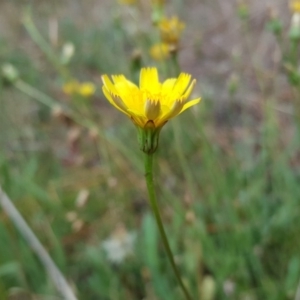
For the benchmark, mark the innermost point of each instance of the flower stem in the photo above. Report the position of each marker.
(155, 209)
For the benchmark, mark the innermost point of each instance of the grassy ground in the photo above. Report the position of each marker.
(227, 171)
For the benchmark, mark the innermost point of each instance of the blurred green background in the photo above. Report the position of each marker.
(227, 170)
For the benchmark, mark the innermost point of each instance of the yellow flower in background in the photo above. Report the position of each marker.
(295, 6)
(153, 103)
(170, 30)
(85, 89)
(160, 51)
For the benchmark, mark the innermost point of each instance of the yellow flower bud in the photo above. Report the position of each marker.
(170, 30)
(160, 51)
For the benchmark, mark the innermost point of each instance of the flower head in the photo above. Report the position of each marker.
(152, 100)
(151, 104)
(160, 51)
(84, 89)
(170, 30)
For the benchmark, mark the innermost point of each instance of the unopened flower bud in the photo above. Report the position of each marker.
(9, 72)
(68, 51)
(160, 51)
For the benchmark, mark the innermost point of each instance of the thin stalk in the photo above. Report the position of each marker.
(155, 209)
(54, 273)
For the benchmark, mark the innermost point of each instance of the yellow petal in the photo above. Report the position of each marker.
(112, 100)
(189, 104)
(121, 79)
(177, 106)
(149, 80)
(139, 121)
(109, 85)
(181, 83)
(168, 85)
(189, 90)
(135, 112)
(130, 95)
(170, 112)
(139, 118)
(118, 78)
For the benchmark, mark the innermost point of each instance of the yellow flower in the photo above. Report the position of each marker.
(153, 103)
(86, 89)
(160, 51)
(295, 6)
(170, 30)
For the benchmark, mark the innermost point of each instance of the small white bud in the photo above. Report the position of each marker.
(10, 72)
(68, 51)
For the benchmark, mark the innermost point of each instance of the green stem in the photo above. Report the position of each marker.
(155, 209)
